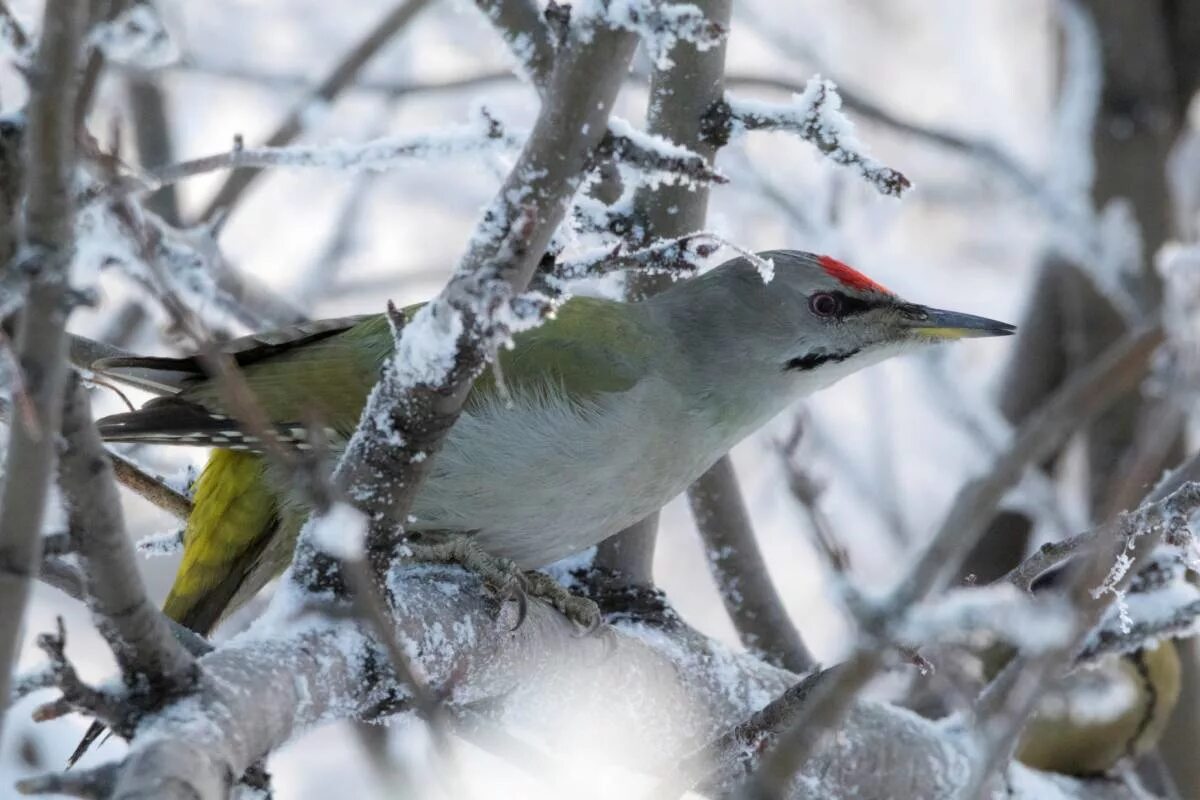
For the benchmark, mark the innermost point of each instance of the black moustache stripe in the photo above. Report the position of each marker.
(814, 360)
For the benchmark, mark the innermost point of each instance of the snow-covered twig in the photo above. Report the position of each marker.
(678, 257)
(655, 155)
(816, 116)
(379, 154)
(342, 76)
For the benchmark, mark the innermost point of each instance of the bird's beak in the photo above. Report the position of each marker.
(934, 323)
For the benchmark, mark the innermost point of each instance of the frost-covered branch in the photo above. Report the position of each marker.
(655, 155)
(342, 76)
(678, 257)
(662, 26)
(666, 690)
(40, 340)
(1006, 704)
(815, 115)
(376, 155)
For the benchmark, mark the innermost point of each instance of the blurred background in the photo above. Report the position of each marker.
(1055, 181)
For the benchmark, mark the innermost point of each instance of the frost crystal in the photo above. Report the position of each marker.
(815, 114)
(661, 26)
(166, 543)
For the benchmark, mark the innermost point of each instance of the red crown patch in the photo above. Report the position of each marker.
(849, 276)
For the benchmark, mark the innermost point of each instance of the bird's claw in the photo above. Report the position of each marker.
(504, 577)
(583, 612)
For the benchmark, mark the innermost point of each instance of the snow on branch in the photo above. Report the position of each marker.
(528, 37)
(680, 257)
(655, 155)
(660, 25)
(661, 690)
(816, 116)
(376, 155)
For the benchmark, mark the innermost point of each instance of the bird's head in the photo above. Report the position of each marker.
(815, 321)
(830, 313)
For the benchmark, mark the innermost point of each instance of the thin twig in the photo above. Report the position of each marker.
(816, 117)
(130, 475)
(342, 76)
(374, 155)
(13, 30)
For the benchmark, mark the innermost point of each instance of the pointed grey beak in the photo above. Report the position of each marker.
(935, 323)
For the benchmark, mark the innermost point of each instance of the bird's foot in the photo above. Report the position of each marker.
(503, 576)
(579, 610)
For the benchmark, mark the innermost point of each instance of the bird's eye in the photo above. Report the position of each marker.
(824, 304)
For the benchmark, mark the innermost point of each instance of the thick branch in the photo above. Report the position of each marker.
(662, 692)
(41, 344)
(520, 25)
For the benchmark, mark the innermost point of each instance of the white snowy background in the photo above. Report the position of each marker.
(963, 238)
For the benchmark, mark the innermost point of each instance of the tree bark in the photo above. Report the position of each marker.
(41, 339)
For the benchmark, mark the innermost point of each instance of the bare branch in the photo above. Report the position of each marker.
(342, 76)
(11, 29)
(41, 344)
(76, 695)
(154, 489)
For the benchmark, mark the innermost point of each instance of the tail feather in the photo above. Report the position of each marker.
(235, 518)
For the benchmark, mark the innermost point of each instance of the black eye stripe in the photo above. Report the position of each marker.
(814, 360)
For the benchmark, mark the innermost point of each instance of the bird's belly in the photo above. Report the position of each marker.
(542, 480)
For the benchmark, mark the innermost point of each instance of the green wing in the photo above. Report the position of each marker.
(323, 372)
(590, 348)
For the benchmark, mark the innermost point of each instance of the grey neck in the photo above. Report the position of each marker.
(727, 351)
